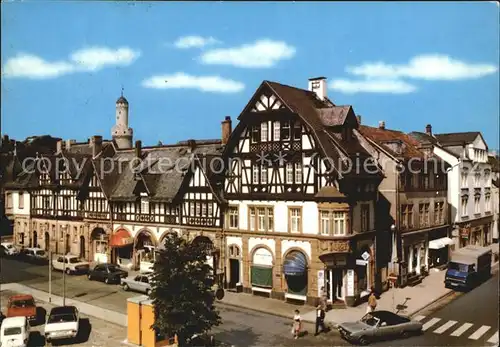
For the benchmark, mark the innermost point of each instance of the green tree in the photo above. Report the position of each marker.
(182, 290)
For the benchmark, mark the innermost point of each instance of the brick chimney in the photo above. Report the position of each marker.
(428, 129)
(191, 145)
(96, 144)
(138, 149)
(59, 146)
(69, 143)
(381, 125)
(318, 86)
(227, 128)
(359, 119)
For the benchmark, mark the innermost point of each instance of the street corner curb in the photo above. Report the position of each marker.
(232, 305)
(414, 313)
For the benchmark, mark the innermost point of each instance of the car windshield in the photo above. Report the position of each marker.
(370, 320)
(22, 303)
(40, 253)
(113, 268)
(458, 267)
(12, 331)
(61, 318)
(9, 246)
(74, 260)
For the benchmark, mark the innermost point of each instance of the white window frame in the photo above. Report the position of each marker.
(252, 221)
(261, 218)
(289, 173)
(477, 204)
(339, 223)
(270, 218)
(295, 220)
(144, 206)
(325, 222)
(255, 174)
(264, 172)
(286, 125)
(233, 220)
(464, 175)
(464, 202)
(487, 203)
(264, 131)
(298, 172)
(276, 130)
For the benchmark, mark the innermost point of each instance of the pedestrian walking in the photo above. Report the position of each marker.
(297, 324)
(372, 301)
(320, 319)
(323, 299)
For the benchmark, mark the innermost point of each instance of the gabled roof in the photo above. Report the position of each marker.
(163, 170)
(389, 140)
(322, 117)
(457, 138)
(423, 138)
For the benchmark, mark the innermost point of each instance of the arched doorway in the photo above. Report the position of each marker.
(261, 272)
(235, 266)
(35, 239)
(295, 270)
(82, 247)
(46, 242)
(122, 244)
(144, 249)
(99, 245)
(67, 244)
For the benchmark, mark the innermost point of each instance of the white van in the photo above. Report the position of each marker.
(15, 332)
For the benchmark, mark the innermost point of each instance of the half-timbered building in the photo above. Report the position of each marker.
(301, 192)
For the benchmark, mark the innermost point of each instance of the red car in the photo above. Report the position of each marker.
(22, 306)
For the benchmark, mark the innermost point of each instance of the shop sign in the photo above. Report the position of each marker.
(350, 282)
(336, 261)
(361, 262)
(365, 256)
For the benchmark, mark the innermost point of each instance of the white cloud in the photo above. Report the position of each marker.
(88, 59)
(260, 54)
(372, 86)
(426, 67)
(195, 41)
(96, 58)
(31, 66)
(180, 80)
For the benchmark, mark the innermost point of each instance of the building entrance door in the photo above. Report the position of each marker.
(234, 274)
(334, 285)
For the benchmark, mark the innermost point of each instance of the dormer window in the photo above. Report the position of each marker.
(255, 134)
(144, 206)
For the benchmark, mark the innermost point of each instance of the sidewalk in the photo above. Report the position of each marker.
(89, 310)
(408, 300)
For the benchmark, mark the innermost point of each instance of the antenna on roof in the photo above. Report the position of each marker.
(122, 90)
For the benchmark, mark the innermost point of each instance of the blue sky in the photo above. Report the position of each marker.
(409, 64)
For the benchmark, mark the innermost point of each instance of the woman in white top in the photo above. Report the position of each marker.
(297, 324)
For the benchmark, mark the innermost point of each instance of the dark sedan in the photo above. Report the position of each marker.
(108, 273)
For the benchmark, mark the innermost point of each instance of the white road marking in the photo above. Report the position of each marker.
(445, 327)
(418, 318)
(494, 339)
(479, 332)
(430, 323)
(461, 330)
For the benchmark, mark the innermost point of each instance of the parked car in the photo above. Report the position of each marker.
(71, 264)
(22, 306)
(379, 325)
(9, 248)
(2, 317)
(140, 283)
(34, 255)
(63, 322)
(15, 331)
(109, 273)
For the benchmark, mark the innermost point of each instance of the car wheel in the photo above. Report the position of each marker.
(106, 280)
(126, 287)
(68, 272)
(148, 292)
(363, 341)
(89, 276)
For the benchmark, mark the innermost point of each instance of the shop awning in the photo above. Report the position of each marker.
(121, 238)
(440, 243)
(295, 264)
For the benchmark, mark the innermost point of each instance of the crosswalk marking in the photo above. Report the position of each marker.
(479, 332)
(494, 339)
(445, 327)
(430, 323)
(418, 318)
(461, 330)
